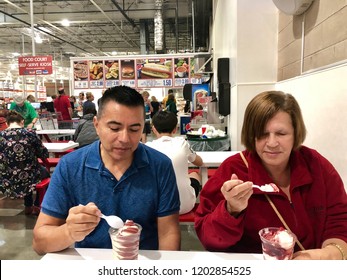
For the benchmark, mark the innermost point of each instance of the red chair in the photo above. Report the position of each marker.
(41, 188)
(210, 171)
(188, 218)
(49, 163)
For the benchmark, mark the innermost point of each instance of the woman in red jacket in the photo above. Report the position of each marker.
(311, 197)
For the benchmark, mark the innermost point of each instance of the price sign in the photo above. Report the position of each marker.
(81, 84)
(128, 83)
(181, 82)
(111, 83)
(196, 81)
(97, 84)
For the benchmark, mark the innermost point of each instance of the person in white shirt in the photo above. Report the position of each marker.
(179, 151)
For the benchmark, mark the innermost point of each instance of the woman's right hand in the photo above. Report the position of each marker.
(236, 193)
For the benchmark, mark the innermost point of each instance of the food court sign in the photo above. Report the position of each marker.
(35, 65)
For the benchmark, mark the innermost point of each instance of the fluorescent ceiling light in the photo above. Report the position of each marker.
(38, 40)
(65, 22)
(45, 29)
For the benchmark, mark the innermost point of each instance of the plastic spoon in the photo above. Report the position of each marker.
(267, 187)
(113, 221)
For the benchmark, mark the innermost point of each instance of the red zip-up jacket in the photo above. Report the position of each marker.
(317, 211)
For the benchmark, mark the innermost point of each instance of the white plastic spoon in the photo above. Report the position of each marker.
(267, 187)
(113, 221)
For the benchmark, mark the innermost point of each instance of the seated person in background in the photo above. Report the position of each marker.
(116, 175)
(179, 151)
(85, 133)
(311, 199)
(20, 170)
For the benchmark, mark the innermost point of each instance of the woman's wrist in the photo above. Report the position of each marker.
(337, 248)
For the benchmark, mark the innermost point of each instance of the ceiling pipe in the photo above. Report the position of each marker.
(158, 27)
(53, 26)
(124, 14)
(47, 33)
(128, 39)
(176, 26)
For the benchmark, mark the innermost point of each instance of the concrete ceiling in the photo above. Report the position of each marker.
(99, 28)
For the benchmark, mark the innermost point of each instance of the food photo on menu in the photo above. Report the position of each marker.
(96, 70)
(80, 69)
(111, 69)
(127, 69)
(154, 69)
(181, 67)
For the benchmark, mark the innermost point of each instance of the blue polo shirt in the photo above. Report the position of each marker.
(146, 191)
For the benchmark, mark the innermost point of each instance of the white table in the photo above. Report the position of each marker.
(60, 147)
(211, 159)
(106, 254)
(46, 132)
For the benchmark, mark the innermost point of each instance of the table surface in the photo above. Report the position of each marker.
(60, 147)
(211, 159)
(106, 254)
(214, 158)
(56, 131)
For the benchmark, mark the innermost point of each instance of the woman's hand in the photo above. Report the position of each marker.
(313, 254)
(236, 193)
(330, 251)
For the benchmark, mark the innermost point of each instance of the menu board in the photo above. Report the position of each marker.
(154, 72)
(96, 74)
(143, 72)
(80, 72)
(111, 73)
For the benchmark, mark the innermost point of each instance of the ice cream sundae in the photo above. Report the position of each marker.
(126, 240)
(277, 243)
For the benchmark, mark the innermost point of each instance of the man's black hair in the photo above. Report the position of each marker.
(123, 95)
(164, 121)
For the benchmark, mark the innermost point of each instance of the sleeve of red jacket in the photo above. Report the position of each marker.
(336, 221)
(215, 227)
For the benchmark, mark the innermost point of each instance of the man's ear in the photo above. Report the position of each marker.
(174, 130)
(96, 124)
(154, 130)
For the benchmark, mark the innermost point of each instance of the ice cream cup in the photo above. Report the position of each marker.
(277, 243)
(125, 245)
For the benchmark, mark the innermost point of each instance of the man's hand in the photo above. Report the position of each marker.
(82, 220)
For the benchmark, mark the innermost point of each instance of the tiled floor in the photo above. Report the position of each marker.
(16, 233)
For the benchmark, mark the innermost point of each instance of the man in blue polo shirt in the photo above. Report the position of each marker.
(116, 175)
